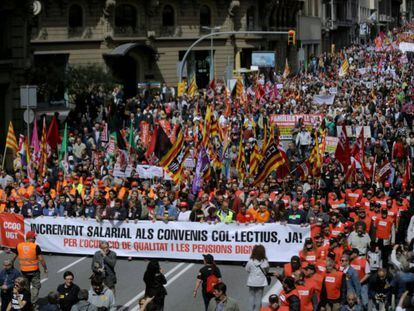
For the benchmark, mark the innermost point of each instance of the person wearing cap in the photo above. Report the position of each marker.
(308, 254)
(314, 278)
(30, 255)
(289, 296)
(273, 303)
(385, 234)
(209, 269)
(306, 291)
(7, 277)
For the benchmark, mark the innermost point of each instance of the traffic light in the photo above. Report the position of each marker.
(291, 37)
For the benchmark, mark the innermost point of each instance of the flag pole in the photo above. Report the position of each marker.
(4, 157)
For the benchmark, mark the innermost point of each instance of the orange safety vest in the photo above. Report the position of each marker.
(308, 257)
(306, 292)
(284, 297)
(27, 257)
(359, 264)
(3, 200)
(333, 284)
(383, 227)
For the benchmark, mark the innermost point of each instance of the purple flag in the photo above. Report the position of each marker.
(203, 163)
(35, 143)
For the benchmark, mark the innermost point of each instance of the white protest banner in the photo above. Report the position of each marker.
(354, 131)
(333, 90)
(331, 144)
(323, 99)
(362, 71)
(406, 47)
(149, 171)
(174, 240)
(279, 86)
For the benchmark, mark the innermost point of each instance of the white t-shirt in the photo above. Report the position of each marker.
(184, 216)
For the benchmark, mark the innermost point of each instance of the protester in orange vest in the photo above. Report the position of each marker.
(305, 290)
(333, 288)
(308, 254)
(314, 278)
(361, 265)
(290, 267)
(385, 234)
(289, 297)
(30, 254)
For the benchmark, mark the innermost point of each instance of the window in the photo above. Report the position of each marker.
(250, 18)
(125, 16)
(75, 16)
(168, 19)
(205, 16)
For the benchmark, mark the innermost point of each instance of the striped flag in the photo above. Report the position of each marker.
(11, 141)
(272, 159)
(192, 88)
(207, 125)
(239, 87)
(255, 159)
(343, 70)
(173, 161)
(286, 71)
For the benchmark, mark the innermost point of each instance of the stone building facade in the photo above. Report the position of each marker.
(145, 40)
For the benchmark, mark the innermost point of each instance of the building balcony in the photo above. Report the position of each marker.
(170, 31)
(129, 31)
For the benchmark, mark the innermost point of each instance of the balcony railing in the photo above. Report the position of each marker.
(129, 31)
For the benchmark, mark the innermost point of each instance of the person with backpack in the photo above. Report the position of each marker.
(208, 276)
(257, 267)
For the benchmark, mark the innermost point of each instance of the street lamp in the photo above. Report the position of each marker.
(212, 30)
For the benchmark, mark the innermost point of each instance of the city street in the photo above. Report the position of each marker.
(130, 287)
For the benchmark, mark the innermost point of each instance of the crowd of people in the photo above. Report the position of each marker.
(359, 205)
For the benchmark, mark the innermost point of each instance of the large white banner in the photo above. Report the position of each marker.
(175, 240)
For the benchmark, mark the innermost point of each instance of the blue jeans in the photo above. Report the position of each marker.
(400, 282)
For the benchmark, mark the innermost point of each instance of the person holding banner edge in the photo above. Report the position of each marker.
(30, 254)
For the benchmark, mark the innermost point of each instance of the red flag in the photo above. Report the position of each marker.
(283, 170)
(343, 152)
(212, 84)
(304, 169)
(259, 92)
(145, 133)
(151, 147)
(407, 174)
(358, 148)
(53, 138)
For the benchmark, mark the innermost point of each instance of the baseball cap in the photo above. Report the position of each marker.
(208, 258)
(31, 235)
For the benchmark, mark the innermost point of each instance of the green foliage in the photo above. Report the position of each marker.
(81, 80)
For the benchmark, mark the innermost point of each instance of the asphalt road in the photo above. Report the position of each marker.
(181, 278)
